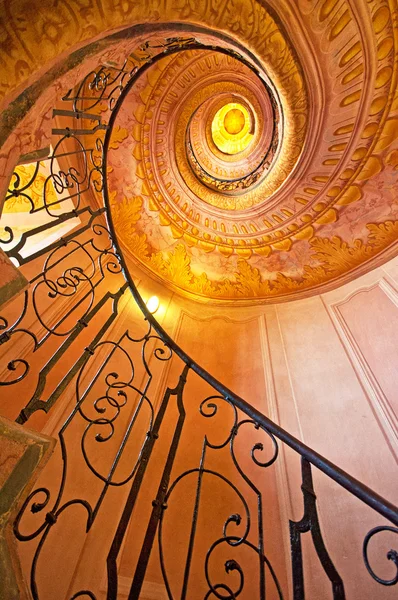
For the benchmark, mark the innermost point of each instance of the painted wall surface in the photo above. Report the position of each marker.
(323, 368)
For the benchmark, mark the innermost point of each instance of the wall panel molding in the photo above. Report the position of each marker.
(284, 496)
(378, 400)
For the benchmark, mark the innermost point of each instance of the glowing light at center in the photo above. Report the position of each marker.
(153, 304)
(234, 121)
(232, 128)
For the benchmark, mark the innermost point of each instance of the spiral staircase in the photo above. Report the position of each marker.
(153, 467)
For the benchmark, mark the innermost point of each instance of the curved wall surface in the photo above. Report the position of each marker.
(324, 368)
(322, 212)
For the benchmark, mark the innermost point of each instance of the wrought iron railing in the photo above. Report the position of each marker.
(66, 345)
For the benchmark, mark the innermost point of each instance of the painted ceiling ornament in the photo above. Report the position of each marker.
(232, 128)
(235, 119)
(233, 161)
(212, 222)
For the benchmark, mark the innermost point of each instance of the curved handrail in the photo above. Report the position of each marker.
(353, 485)
(359, 489)
(350, 483)
(98, 416)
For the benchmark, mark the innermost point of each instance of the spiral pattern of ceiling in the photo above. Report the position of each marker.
(231, 181)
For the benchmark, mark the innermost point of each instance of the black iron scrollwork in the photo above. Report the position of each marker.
(392, 555)
(119, 391)
(10, 233)
(84, 276)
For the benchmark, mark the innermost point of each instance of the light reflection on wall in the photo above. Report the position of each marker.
(26, 211)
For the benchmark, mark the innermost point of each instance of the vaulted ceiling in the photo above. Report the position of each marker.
(311, 196)
(263, 167)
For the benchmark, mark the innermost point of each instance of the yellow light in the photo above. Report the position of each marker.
(152, 304)
(232, 128)
(234, 121)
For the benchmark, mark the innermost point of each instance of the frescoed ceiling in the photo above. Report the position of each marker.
(232, 182)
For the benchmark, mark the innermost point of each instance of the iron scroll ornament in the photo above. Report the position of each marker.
(391, 555)
(308, 456)
(372, 499)
(109, 407)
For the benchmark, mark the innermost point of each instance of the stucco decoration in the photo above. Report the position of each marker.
(320, 211)
(331, 70)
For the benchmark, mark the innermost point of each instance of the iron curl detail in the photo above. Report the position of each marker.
(10, 232)
(96, 176)
(71, 180)
(13, 366)
(163, 353)
(100, 230)
(111, 380)
(391, 555)
(230, 566)
(112, 263)
(237, 519)
(36, 507)
(6, 336)
(257, 447)
(17, 190)
(209, 409)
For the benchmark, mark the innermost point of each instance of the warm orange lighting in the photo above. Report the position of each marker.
(153, 304)
(232, 128)
(234, 121)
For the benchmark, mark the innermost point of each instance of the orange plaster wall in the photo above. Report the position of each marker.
(323, 368)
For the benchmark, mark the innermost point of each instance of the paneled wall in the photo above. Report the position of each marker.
(324, 368)
(326, 357)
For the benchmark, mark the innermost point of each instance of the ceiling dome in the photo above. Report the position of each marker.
(235, 119)
(231, 180)
(232, 128)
